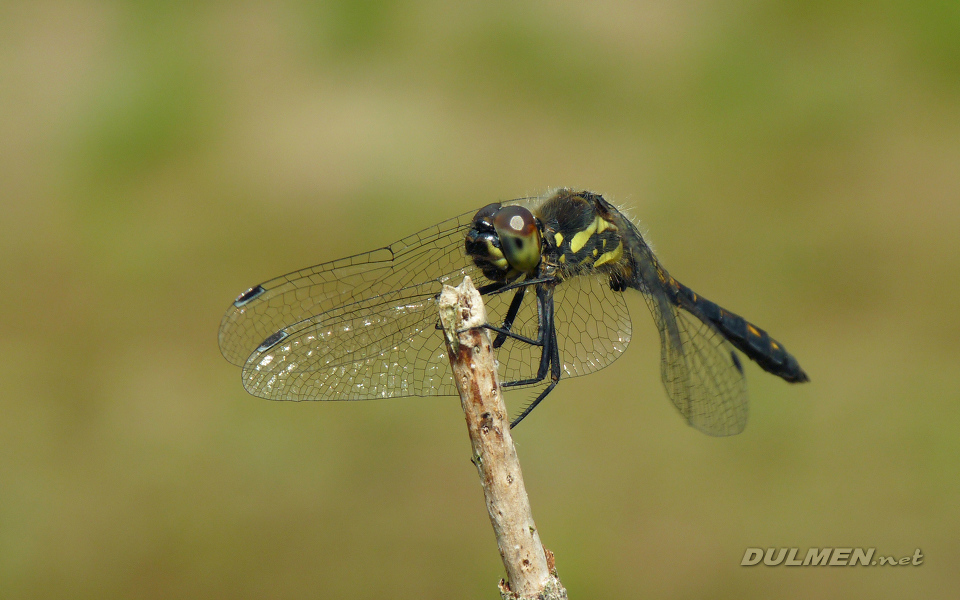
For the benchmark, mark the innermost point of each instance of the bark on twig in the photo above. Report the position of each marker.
(530, 570)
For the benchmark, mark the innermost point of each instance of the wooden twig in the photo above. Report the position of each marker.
(530, 569)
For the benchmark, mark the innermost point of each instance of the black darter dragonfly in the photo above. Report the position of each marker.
(552, 271)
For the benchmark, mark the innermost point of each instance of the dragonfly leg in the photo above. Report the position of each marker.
(506, 333)
(492, 289)
(554, 360)
(498, 287)
(511, 315)
(545, 336)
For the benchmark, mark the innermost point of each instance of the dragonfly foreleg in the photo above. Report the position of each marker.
(510, 317)
(499, 288)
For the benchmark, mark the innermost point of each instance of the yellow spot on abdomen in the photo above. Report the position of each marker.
(753, 330)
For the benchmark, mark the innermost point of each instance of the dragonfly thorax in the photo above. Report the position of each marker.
(585, 233)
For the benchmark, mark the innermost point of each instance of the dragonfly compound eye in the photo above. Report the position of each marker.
(519, 237)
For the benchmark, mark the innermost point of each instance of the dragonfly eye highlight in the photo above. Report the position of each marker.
(519, 237)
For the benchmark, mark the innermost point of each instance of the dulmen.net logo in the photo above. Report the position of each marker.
(826, 557)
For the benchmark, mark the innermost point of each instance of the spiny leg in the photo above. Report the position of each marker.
(546, 335)
(506, 333)
(499, 287)
(544, 324)
(510, 317)
(552, 351)
(492, 288)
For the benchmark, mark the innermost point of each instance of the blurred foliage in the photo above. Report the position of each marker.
(793, 161)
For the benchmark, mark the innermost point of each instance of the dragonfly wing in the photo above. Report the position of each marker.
(700, 369)
(593, 324)
(363, 326)
(378, 347)
(432, 255)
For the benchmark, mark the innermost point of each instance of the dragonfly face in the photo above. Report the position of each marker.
(553, 271)
(505, 242)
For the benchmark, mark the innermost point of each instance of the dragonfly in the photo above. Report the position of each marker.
(553, 271)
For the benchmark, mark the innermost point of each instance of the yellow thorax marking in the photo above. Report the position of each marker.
(558, 239)
(580, 239)
(603, 225)
(613, 256)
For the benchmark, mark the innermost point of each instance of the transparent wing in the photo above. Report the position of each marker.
(355, 328)
(593, 324)
(377, 347)
(434, 255)
(388, 345)
(699, 368)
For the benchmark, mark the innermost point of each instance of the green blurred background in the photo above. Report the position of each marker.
(796, 162)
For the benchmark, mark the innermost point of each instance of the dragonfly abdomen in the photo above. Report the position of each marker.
(744, 335)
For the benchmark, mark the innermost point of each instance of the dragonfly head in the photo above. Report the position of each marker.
(505, 242)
